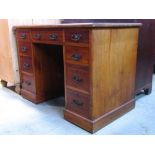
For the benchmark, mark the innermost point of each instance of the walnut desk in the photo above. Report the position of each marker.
(92, 64)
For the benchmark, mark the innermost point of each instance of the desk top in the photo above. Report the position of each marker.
(81, 25)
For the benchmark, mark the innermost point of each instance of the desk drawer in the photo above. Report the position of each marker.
(23, 35)
(54, 36)
(26, 64)
(24, 48)
(38, 35)
(77, 36)
(48, 36)
(28, 83)
(78, 103)
(77, 55)
(77, 77)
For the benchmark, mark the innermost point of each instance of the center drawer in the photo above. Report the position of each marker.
(50, 36)
(54, 36)
(77, 76)
(38, 35)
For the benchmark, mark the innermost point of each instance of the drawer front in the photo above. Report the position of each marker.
(77, 36)
(38, 36)
(48, 36)
(28, 83)
(26, 64)
(54, 36)
(77, 77)
(25, 48)
(23, 35)
(77, 55)
(78, 103)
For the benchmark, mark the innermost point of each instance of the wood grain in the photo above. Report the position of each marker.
(113, 68)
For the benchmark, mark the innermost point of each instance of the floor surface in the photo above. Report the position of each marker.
(21, 117)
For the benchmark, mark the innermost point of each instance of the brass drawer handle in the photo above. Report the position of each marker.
(37, 36)
(53, 36)
(23, 36)
(77, 79)
(76, 37)
(76, 57)
(28, 83)
(24, 49)
(77, 102)
(26, 66)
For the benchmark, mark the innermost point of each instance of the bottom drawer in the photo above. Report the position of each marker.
(78, 103)
(28, 83)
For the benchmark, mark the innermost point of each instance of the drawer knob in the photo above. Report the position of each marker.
(26, 66)
(52, 36)
(76, 57)
(23, 36)
(28, 83)
(77, 79)
(77, 102)
(24, 49)
(37, 36)
(76, 37)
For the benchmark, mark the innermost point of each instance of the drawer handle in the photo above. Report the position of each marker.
(77, 102)
(24, 49)
(77, 79)
(53, 36)
(76, 57)
(76, 37)
(37, 36)
(28, 83)
(23, 36)
(26, 66)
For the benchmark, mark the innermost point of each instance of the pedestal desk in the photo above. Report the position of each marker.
(92, 64)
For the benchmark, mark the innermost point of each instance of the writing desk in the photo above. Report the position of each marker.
(91, 64)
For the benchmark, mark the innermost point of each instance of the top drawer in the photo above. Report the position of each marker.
(77, 35)
(38, 35)
(23, 35)
(54, 36)
(47, 36)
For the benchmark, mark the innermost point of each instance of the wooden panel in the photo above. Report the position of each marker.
(6, 70)
(77, 55)
(113, 68)
(49, 70)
